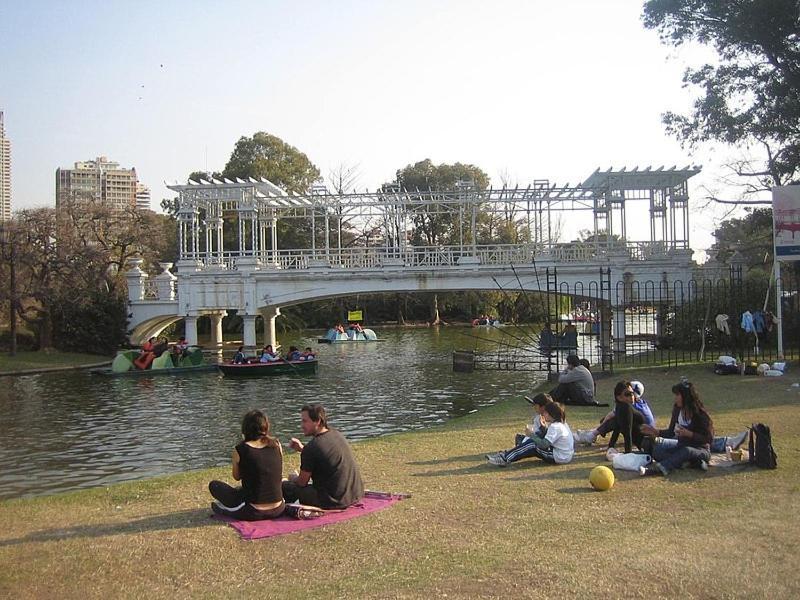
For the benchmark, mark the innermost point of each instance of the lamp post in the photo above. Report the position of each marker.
(9, 255)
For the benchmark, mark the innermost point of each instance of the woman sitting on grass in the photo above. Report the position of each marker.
(688, 437)
(258, 463)
(626, 421)
(557, 445)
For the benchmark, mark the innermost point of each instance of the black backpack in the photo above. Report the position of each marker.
(760, 447)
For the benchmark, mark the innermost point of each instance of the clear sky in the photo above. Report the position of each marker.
(535, 89)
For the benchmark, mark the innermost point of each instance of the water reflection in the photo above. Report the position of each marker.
(66, 431)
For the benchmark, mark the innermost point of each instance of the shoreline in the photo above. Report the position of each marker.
(460, 532)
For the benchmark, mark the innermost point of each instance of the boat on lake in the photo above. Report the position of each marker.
(278, 367)
(332, 336)
(167, 363)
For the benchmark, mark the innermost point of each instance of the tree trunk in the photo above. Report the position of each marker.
(46, 332)
(435, 320)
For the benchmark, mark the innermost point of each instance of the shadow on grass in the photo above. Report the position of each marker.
(187, 519)
(439, 461)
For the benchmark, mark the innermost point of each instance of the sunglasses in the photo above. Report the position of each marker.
(629, 393)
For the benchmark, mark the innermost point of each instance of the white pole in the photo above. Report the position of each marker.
(778, 306)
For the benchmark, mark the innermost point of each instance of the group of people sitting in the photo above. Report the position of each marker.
(329, 476)
(688, 439)
(154, 347)
(268, 355)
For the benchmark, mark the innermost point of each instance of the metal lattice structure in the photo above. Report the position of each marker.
(390, 214)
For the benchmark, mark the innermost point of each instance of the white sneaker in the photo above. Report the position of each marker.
(497, 460)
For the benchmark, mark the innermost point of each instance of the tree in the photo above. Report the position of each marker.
(751, 97)
(435, 223)
(268, 156)
(750, 235)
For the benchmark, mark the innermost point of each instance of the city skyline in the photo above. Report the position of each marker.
(523, 90)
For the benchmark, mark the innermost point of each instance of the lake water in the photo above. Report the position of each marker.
(64, 431)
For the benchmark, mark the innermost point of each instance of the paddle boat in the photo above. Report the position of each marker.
(125, 363)
(278, 367)
(349, 336)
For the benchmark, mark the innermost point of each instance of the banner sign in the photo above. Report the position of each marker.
(355, 315)
(786, 221)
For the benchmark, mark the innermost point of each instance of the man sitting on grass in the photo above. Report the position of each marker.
(575, 384)
(329, 476)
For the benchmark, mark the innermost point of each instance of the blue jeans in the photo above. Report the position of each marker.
(671, 456)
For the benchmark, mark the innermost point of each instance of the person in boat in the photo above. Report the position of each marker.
(308, 354)
(269, 355)
(329, 476)
(575, 384)
(179, 350)
(239, 358)
(294, 354)
(146, 355)
(257, 462)
(546, 338)
(339, 328)
(569, 337)
(161, 346)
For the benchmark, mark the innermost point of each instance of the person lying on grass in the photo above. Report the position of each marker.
(687, 439)
(557, 445)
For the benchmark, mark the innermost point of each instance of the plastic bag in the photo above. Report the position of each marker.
(630, 461)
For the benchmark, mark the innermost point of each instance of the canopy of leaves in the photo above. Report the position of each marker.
(268, 156)
(437, 224)
(752, 95)
(750, 235)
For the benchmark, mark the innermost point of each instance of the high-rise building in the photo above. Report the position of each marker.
(99, 180)
(142, 197)
(5, 173)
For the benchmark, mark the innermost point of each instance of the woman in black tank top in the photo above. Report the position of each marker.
(258, 463)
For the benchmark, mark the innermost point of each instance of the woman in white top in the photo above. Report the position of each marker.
(557, 445)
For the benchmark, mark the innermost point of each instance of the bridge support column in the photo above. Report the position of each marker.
(249, 330)
(270, 314)
(619, 329)
(216, 328)
(191, 330)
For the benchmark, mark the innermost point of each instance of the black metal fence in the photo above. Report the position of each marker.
(671, 323)
(666, 323)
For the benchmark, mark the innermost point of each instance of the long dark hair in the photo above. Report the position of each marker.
(691, 399)
(542, 399)
(255, 426)
(621, 387)
(555, 411)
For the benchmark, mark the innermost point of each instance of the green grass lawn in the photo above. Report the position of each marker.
(530, 530)
(42, 360)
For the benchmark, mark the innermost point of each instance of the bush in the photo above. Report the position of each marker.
(25, 341)
(96, 323)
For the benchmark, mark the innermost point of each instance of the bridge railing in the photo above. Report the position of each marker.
(441, 256)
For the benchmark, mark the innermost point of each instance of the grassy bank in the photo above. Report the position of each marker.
(470, 529)
(26, 360)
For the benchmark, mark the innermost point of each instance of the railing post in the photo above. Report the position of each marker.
(136, 279)
(165, 282)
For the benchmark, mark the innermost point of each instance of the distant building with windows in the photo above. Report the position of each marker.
(142, 197)
(100, 180)
(5, 173)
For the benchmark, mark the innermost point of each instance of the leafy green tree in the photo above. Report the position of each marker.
(750, 97)
(433, 223)
(268, 156)
(750, 235)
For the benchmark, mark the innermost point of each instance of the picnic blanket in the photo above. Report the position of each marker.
(253, 530)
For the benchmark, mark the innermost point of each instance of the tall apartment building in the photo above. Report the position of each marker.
(99, 180)
(5, 173)
(142, 197)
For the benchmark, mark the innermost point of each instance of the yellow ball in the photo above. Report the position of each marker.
(601, 478)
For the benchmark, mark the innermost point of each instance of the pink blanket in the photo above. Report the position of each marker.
(253, 530)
